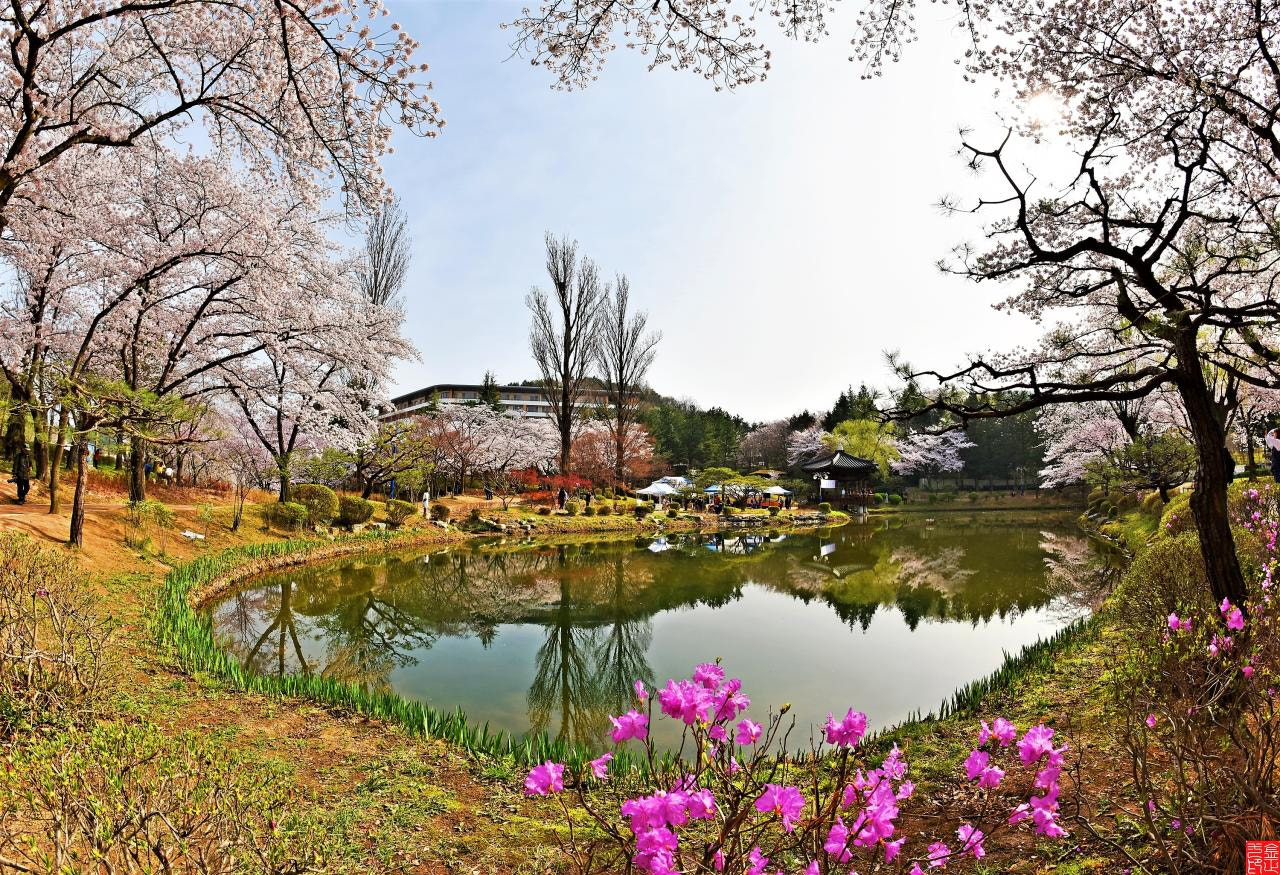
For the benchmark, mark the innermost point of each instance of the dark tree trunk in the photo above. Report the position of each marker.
(286, 487)
(1209, 498)
(76, 537)
(366, 489)
(137, 469)
(177, 468)
(55, 459)
(39, 450)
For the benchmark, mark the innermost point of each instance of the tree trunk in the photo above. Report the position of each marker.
(39, 450)
(286, 487)
(55, 459)
(76, 537)
(177, 468)
(1209, 498)
(618, 449)
(367, 488)
(137, 469)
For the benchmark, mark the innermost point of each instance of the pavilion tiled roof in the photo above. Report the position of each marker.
(838, 461)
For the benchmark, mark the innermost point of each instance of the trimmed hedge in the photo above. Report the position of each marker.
(398, 511)
(440, 512)
(288, 515)
(352, 510)
(320, 501)
(824, 507)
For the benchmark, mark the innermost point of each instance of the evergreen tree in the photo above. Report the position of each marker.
(489, 393)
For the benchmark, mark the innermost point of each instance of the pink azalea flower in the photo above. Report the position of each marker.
(1036, 742)
(756, 861)
(1225, 607)
(1235, 621)
(848, 731)
(991, 777)
(708, 675)
(600, 765)
(812, 868)
(892, 849)
(633, 724)
(748, 732)
(1173, 623)
(1004, 731)
(837, 841)
(971, 840)
(655, 851)
(1247, 671)
(641, 692)
(976, 763)
(544, 779)
(717, 860)
(915, 869)
(938, 854)
(786, 802)
(1151, 721)
(906, 788)
(717, 732)
(702, 804)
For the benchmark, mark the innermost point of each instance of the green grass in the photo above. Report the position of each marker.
(188, 636)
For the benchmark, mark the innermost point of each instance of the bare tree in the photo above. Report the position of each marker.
(626, 351)
(385, 263)
(562, 335)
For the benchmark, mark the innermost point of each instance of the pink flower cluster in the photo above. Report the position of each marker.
(705, 698)
(862, 817)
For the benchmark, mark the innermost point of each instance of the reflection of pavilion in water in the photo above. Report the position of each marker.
(360, 620)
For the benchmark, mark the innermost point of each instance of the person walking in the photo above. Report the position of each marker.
(1273, 452)
(22, 473)
(588, 498)
(426, 502)
(561, 497)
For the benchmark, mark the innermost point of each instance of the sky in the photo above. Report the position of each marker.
(782, 236)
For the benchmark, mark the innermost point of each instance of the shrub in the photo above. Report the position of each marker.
(321, 502)
(543, 510)
(973, 496)
(642, 510)
(144, 517)
(289, 515)
(880, 497)
(608, 492)
(1197, 712)
(742, 805)
(440, 512)
(51, 638)
(353, 511)
(398, 511)
(773, 511)
(573, 508)
(132, 800)
(895, 498)
(590, 510)
(824, 507)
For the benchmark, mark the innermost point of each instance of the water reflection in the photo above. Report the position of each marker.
(551, 637)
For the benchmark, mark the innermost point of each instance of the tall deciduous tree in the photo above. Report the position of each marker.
(563, 335)
(384, 263)
(626, 352)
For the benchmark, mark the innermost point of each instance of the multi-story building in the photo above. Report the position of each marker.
(518, 400)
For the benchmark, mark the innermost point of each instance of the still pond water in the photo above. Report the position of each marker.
(889, 616)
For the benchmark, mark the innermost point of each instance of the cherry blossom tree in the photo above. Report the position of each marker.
(296, 90)
(925, 453)
(806, 444)
(595, 454)
(765, 445)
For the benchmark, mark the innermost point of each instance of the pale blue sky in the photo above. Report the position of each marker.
(781, 236)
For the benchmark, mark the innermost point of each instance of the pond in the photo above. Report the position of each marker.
(889, 616)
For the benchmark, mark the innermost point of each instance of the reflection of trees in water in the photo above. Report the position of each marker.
(585, 672)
